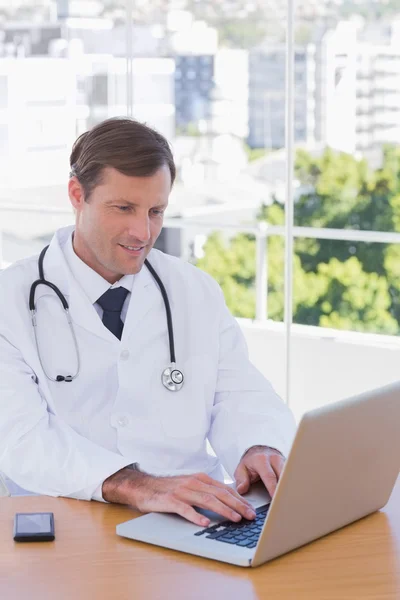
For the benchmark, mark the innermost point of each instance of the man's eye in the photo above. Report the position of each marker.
(157, 212)
(123, 208)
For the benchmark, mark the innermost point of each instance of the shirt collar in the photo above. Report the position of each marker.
(93, 284)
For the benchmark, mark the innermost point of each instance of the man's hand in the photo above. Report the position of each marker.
(176, 495)
(259, 462)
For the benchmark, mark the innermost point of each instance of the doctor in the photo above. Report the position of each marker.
(118, 403)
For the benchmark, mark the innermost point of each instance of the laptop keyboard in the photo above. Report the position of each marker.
(245, 533)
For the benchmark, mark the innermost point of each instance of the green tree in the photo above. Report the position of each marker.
(355, 299)
(232, 264)
(346, 285)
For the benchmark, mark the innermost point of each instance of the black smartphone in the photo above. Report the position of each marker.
(34, 527)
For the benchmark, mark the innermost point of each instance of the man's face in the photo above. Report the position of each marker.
(119, 224)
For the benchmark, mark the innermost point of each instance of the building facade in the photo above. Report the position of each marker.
(267, 96)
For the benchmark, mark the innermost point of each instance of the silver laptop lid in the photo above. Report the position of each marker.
(343, 465)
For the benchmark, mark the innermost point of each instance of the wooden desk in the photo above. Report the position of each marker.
(88, 561)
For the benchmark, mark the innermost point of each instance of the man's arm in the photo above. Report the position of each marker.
(247, 411)
(179, 494)
(43, 454)
(38, 450)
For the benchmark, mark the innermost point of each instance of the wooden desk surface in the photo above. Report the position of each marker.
(88, 561)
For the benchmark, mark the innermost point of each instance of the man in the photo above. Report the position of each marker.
(83, 409)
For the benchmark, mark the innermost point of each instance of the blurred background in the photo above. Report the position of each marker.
(211, 76)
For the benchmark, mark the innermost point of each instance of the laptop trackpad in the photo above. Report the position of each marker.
(257, 496)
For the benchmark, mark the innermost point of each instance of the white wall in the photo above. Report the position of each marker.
(37, 118)
(326, 365)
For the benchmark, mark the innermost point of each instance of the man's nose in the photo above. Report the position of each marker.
(140, 229)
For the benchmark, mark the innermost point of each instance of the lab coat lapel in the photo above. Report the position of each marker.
(145, 297)
(56, 271)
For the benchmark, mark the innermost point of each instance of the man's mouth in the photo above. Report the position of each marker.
(132, 249)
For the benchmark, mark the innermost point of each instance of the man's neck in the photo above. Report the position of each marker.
(84, 254)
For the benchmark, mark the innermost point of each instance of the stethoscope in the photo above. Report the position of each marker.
(172, 378)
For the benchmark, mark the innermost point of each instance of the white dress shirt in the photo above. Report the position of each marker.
(94, 286)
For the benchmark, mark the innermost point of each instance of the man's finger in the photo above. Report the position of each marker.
(209, 481)
(224, 495)
(267, 474)
(189, 513)
(211, 502)
(242, 478)
(277, 463)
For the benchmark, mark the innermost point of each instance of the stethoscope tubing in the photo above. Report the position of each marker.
(43, 281)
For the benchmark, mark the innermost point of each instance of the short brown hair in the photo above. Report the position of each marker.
(130, 147)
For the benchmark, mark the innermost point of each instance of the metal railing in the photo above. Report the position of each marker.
(262, 231)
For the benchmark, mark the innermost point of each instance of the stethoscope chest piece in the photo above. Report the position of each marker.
(172, 378)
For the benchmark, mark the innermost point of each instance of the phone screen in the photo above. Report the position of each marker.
(33, 523)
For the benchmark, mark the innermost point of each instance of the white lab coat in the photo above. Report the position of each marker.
(66, 438)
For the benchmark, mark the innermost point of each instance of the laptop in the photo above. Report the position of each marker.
(342, 466)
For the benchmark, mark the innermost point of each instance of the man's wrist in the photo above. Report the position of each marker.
(262, 447)
(120, 486)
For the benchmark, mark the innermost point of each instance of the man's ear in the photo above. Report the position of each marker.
(76, 193)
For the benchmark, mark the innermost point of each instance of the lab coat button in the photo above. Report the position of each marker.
(123, 421)
(125, 354)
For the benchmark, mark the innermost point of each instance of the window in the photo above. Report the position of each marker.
(3, 91)
(218, 93)
(99, 92)
(4, 147)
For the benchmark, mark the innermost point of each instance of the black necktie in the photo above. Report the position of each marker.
(112, 302)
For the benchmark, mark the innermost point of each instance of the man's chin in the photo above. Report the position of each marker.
(134, 268)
